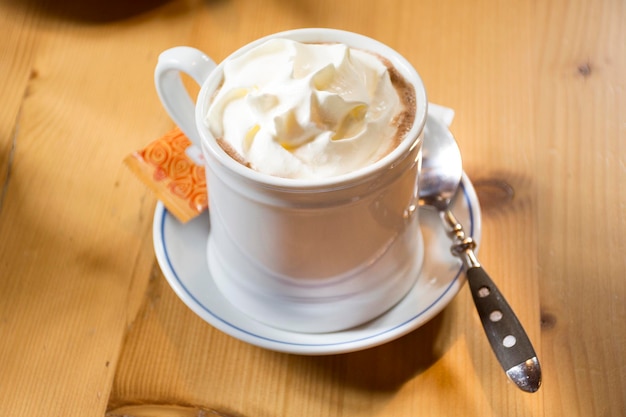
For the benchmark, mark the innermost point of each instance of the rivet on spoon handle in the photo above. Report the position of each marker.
(505, 333)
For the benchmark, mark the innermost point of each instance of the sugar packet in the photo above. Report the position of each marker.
(172, 167)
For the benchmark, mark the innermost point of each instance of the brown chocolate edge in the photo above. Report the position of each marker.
(404, 120)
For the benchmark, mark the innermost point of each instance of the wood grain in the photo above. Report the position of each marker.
(88, 324)
(582, 202)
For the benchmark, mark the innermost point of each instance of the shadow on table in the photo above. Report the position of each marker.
(386, 368)
(95, 11)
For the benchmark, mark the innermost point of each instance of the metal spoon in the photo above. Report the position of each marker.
(439, 181)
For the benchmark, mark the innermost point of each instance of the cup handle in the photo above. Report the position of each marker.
(169, 85)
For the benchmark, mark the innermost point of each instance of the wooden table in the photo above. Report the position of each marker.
(90, 327)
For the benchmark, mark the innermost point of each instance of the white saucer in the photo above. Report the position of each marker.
(181, 253)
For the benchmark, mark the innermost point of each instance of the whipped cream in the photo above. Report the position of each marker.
(304, 110)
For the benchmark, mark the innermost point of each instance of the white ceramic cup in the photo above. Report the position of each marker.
(305, 255)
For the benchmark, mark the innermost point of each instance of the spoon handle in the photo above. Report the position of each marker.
(505, 333)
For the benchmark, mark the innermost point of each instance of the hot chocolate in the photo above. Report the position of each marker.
(310, 110)
(333, 134)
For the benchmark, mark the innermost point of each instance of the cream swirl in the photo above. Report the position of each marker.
(304, 110)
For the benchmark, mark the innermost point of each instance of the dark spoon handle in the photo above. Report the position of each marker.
(506, 335)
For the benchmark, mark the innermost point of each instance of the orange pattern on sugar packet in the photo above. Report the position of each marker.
(175, 178)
